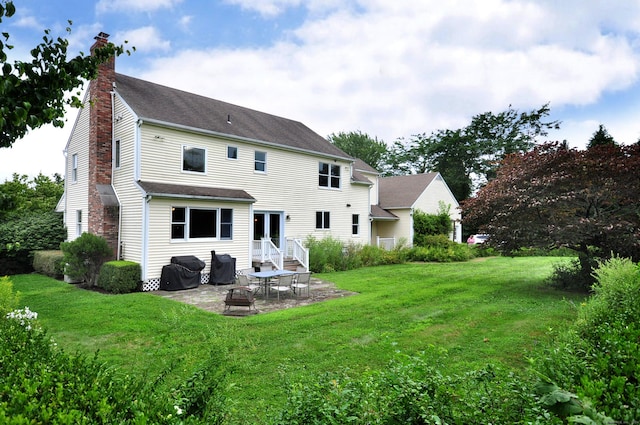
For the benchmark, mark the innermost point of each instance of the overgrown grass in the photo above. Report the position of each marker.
(490, 311)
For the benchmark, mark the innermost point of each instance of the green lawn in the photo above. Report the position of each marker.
(488, 311)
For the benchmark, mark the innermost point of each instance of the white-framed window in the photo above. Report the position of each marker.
(329, 175)
(201, 223)
(260, 163)
(232, 152)
(323, 220)
(355, 224)
(194, 159)
(116, 154)
(74, 167)
(78, 222)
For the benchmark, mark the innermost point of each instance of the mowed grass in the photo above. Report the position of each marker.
(492, 310)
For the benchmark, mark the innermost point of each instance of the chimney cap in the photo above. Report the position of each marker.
(101, 36)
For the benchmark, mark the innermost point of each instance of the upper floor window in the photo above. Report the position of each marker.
(200, 223)
(74, 167)
(232, 152)
(194, 159)
(355, 224)
(260, 162)
(329, 175)
(323, 220)
(116, 154)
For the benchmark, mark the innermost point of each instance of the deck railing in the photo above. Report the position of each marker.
(296, 250)
(386, 243)
(265, 251)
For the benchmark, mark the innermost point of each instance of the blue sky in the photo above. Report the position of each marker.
(390, 69)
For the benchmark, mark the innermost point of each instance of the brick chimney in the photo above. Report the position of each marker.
(103, 214)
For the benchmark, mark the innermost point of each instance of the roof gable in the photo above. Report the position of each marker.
(172, 107)
(403, 191)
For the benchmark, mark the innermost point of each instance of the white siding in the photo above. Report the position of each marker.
(290, 184)
(130, 196)
(162, 248)
(77, 193)
(436, 192)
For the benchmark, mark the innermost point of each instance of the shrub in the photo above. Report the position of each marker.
(84, 256)
(49, 263)
(598, 358)
(573, 276)
(425, 225)
(454, 252)
(46, 385)
(119, 277)
(326, 255)
(412, 390)
(8, 299)
(21, 236)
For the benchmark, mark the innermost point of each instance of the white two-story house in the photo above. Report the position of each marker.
(160, 172)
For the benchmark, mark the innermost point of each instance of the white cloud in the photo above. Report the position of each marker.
(144, 39)
(111, 6)
(395, 69)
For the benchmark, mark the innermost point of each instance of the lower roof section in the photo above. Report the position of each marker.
(168, 190)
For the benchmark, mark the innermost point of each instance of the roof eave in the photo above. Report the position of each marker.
(240, 138)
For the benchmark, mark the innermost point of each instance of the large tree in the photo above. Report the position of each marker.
(21, 196)
(601, 137)
(362, 146)
(554, 196)
(468, 157)
(34, 93)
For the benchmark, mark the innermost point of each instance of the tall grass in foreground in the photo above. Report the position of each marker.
(493, 311)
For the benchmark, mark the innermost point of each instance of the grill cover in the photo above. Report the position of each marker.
(189, 261)
(175, 277)
(223, 269)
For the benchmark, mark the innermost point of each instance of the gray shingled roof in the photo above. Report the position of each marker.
(379, 213)
(182, 191)
(402, 191)
(154, 102)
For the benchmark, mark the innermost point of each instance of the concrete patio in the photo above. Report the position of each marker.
(211, 298)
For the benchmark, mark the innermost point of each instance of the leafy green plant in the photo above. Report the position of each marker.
(84, 256)
(21, 236)
(425, 225)
(49, 263)
(119, 277)
(8, 298)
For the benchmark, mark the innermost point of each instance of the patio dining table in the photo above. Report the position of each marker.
(264, 277)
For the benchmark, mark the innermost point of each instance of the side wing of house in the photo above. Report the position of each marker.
(76, 191)
(437, 193)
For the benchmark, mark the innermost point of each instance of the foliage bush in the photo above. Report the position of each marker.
(425, 225)
(573, 276)
(440, 249)
(21, 236)
(49, 263)
(119, 277)
(84, 256)
(412, 390)
(8, 298)
(47, 385)
(598, 359)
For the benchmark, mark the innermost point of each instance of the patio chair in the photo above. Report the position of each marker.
(283, 284)
(302, 282)
(245, 281)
